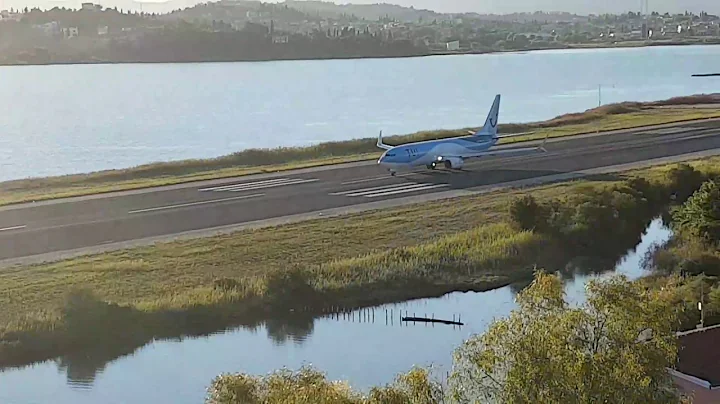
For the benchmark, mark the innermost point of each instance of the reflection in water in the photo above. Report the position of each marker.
(293, 327)
(81, 371)
(367, 347)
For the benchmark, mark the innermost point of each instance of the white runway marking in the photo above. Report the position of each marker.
(384, 177)
(394, 189)
(249, 186)
(182, 205)
(372, 189)
(425, 187)
(13, 228)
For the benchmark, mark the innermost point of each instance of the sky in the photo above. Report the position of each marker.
(479, 6)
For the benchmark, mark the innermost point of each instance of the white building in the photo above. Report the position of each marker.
(49, 29)
(71, 32)
(91, 7)
(8, 16)
(453, 46)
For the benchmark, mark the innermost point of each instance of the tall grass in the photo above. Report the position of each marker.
(492, 251)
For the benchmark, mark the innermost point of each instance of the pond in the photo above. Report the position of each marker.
(366, 347)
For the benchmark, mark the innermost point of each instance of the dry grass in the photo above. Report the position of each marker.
(606, 118)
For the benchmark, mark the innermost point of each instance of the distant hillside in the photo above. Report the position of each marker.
(403, 11)
(366, 11)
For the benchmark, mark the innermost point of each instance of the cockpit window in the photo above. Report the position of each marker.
(390, 154)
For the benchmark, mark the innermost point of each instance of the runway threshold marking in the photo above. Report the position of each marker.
(249, 186)
(182, 205)
(424, 187)
(13, 228)
(383, 187)
(383, 177)
(385, 190)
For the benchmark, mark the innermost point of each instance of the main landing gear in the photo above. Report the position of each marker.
(446, 163)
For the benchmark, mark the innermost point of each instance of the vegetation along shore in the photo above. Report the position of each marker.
(508, 362)
(253, 161)
(128, 298)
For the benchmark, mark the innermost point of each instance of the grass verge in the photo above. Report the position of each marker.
(199, 286)
(254, 161)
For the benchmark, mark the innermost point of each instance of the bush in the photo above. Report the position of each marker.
(309, 386)
(527, 214)
(592, 217)
(700, 215)
(286, 288)
(652, 193)
(683, 181)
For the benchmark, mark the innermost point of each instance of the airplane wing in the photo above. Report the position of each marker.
(504, 136)
(506, 152)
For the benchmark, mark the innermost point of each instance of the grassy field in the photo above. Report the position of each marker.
(606, 118)
(183, 287)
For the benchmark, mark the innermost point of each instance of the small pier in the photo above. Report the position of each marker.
(431, 320)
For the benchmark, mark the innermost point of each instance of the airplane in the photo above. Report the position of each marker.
(451, 152)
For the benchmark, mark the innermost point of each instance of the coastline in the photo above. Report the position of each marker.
(567, 47)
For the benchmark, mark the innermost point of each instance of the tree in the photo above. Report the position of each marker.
(309, 386)
(613, 348)
(699, 216)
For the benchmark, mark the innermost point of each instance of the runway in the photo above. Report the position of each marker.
(75, 225)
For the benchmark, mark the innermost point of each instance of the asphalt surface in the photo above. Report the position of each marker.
(34, 229)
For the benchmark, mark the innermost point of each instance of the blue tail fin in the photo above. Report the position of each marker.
(491, 122)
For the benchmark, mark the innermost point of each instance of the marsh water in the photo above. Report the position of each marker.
(366, 347)
(58, 120)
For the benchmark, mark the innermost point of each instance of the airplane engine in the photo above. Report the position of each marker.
(453, 163)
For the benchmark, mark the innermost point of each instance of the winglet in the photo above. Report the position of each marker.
(380, 143)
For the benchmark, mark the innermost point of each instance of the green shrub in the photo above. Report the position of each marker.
(700, 215)
(527, 214)
(309, 386)
(683, 181)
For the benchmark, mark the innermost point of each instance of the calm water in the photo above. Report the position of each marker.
(69, 119)
(364, 348)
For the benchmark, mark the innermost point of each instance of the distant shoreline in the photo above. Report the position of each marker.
(627, 45)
